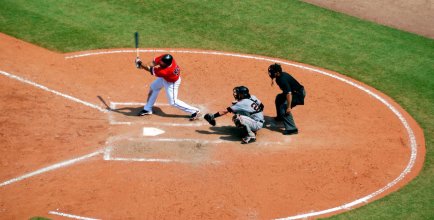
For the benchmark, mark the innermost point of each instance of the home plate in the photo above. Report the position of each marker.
(148, 131)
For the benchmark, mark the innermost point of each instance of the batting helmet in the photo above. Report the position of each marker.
(167, 59)
(273, 69)
(241, 92)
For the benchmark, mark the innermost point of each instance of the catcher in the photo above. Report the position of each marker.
(247, 110)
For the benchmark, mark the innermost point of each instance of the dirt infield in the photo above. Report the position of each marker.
(414, 16)
(64, 154)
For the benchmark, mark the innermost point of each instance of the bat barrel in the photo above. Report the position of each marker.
(136, 38)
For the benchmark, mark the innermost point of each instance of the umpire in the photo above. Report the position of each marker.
(292, 92)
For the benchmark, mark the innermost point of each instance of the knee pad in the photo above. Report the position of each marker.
(237, 121)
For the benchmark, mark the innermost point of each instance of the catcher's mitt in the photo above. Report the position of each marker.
(210, 119)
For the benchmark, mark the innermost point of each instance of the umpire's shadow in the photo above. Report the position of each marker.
(228, 133)
(273, 125)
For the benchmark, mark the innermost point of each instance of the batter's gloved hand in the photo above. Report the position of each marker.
(138, 63)
(210, 119)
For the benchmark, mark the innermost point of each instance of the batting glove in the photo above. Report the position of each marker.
(138, 63)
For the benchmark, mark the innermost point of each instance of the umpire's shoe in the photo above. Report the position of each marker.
(248, 139)
(144, 112)
(290, 132)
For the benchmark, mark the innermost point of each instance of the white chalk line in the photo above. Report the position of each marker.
(107, 152)
(50, 168)
(204, 141)
(178, 140)
(70, 215)
(109, 149)
(53, 91)
(412, 138)
(108, 157)
(151, 160)
(167, 124)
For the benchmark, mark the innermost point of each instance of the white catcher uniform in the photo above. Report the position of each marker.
(248, 113)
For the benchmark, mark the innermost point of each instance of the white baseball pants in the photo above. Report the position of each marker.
(251, 124)
(171, 93)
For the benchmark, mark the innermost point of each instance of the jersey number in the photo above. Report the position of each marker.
(257, 107)
(176, 71)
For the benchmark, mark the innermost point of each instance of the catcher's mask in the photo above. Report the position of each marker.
(273, 69)
(167, 59)
(241, 92)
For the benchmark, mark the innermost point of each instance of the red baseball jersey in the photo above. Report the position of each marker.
(170, 73)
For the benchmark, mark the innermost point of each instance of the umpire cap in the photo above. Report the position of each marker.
(273, 69)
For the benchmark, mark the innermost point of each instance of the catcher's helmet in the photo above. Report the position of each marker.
(167, 59)
(273, 69)
(241, 92)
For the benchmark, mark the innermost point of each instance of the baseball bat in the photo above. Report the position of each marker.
(136, 38)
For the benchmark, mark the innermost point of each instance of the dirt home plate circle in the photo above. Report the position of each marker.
(355, 144)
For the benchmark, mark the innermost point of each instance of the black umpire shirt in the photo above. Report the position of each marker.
(288, 84)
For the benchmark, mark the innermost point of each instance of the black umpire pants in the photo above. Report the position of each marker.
(281, 105)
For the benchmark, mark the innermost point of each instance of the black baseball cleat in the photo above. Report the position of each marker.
(290, 132)
(195, 116)
(144, 112)
(247, 140)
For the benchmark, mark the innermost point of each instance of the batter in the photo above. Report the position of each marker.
(168, 74)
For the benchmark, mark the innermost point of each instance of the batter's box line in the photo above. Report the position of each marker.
(113, 121)
(108, 157)
(52, 167)
(204, 141)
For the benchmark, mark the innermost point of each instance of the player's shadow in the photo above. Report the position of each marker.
(158, 111)
(272, 124)
(134, 111)
(232, 133)
(127, 111)
(228, 133)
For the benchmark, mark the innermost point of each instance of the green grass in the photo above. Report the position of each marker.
(397, 63)
(39, 218)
